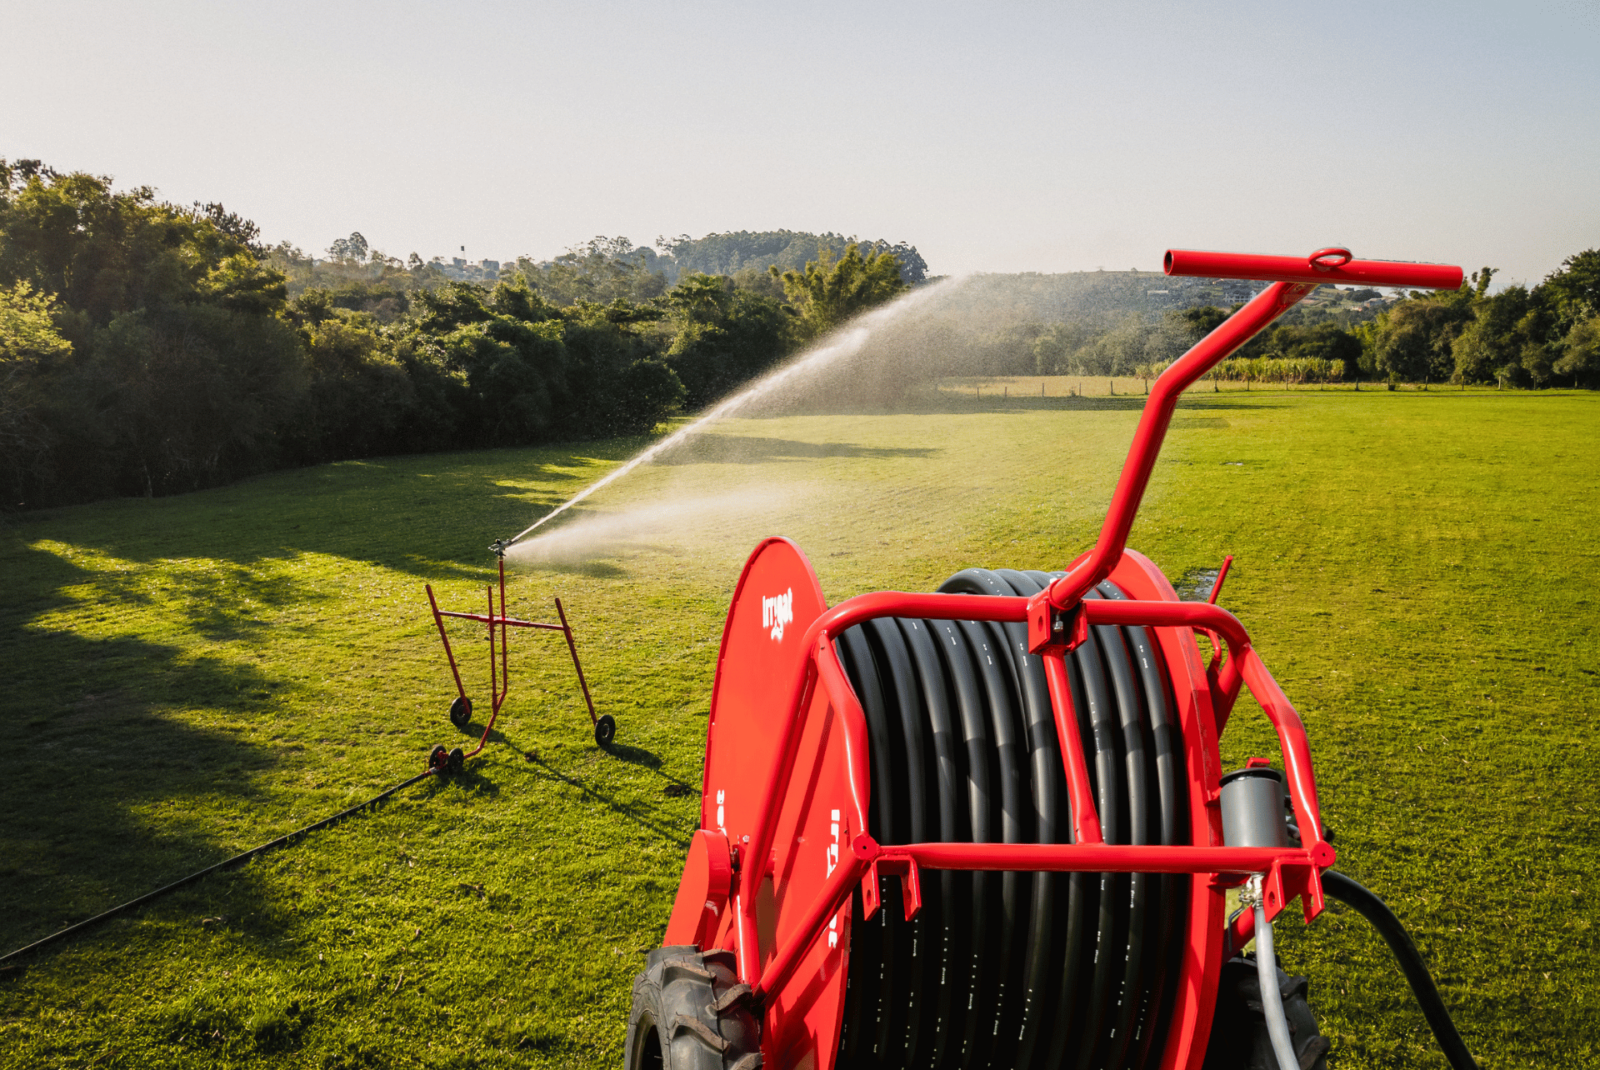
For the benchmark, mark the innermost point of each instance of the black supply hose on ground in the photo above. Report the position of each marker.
(281, 841)
(1376, 911)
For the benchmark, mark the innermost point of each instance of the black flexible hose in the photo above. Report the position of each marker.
(122, 908)
(1375, 910)
(1013, 970)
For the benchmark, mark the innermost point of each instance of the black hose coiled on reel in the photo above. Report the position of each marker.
(1014, 969)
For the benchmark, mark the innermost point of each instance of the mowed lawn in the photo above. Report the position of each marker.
(184, 678)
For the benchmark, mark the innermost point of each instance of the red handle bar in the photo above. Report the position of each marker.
(1324, 265)
(1293, 278)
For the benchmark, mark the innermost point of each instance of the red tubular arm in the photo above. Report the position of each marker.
(1232, 333)
(1292, 279)
(1324, 265)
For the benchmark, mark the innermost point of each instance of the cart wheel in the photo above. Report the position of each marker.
(1239, 1035)
(605, 730)
(438, 760)
(461, 711)
(457, 759)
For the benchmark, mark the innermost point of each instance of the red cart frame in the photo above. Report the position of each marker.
(500, 675)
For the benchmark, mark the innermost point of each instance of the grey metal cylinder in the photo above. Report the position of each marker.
(1252, 808)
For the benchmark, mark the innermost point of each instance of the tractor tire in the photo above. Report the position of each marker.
(691, 1013)
(1239, 1038)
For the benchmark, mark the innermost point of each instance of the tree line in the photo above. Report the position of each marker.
(1111, 323)
(148, 348)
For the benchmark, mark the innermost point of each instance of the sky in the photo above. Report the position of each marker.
(995, 137)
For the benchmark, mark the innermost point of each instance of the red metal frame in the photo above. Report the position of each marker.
(798, 700)
(500, 675)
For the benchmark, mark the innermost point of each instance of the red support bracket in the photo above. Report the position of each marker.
(903, 866)
(1286, 880)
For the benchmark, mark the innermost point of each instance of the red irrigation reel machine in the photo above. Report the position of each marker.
(989, 827)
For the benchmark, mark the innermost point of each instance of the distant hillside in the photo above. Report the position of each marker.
(1030, 296)
(743, 250)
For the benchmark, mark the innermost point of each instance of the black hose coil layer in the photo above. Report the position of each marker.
(1016, 970)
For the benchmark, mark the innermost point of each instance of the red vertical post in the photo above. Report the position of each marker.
(572, 647)
(438, 620)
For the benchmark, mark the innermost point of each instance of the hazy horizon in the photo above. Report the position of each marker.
(1007, 138)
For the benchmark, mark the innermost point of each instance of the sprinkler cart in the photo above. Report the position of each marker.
(989, 827)
(443, 761)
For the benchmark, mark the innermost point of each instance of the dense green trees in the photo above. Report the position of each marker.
(1537, 337)
(826, 293)
(147, 348)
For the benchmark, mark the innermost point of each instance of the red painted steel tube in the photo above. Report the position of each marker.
(572, 647)
(1324, 265)
(968, 857)
(1292, 740)
(854, 611)
(831, 675)
(1130, 613)
(438, 619)
(511, 622)
(846, 875)
(1235, 331)
(1085, 816)
(1098, 857)
(1222, 575)
(494, 685)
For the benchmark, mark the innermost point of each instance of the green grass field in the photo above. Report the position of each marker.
(186, 677)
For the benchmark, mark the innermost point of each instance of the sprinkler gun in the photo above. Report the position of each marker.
(990, 826)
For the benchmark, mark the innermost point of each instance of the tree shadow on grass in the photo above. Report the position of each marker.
(431, 516)
(95, 752)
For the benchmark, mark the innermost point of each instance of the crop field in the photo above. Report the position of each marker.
(183, 678)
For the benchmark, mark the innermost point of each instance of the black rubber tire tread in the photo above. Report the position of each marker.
(948, 782)
(461, 711)
(1239, 1038)
(689, 1015)
(605, 730)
